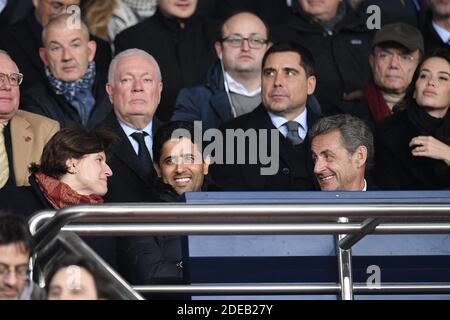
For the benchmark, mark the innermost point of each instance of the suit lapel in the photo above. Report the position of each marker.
(22, 144)
(124, 151)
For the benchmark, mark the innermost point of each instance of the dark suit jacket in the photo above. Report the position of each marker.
(42, 99)
(13, 11)
(22, 41)
(248, 176)
(183, 54)
(129, 182)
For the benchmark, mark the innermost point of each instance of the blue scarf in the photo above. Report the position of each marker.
(78, 93)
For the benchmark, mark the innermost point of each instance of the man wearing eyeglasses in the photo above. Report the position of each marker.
(15, 247)
(23, 135)
(396, 51)
(233, 87)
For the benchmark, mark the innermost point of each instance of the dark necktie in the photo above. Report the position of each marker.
(4, 167)
(292, 134)
(143, 153)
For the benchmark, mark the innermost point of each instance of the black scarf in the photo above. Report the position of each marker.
(428, 125)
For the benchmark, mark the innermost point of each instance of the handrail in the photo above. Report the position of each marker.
(168, 212)
(202, 219)
(287, 288)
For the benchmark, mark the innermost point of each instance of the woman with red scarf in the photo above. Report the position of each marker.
(72, 171)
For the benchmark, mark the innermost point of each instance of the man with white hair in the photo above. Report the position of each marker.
(134, 88)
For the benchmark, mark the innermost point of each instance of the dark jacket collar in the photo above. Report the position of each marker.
(302, 22)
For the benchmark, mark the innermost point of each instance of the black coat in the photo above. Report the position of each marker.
(183, 55)
(357, 107)
(22, 40)
(248, 177)
(42, 99)
(23, 200)
(341, 56)
(272, 12)
(396, 167)
(13, 11)
(129, 182)
(157, 259)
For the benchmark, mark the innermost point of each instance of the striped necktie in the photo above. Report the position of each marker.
(4, 167)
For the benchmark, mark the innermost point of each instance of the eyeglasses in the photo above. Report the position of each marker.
(14, 79)
(402, 58)
(237, 41)
(20, 271)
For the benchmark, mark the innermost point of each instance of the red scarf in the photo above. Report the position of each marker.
(377, 105)
(60, 195)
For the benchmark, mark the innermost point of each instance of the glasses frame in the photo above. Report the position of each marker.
(17, 272)
(402, 58)
(248, 39)
(8, 76)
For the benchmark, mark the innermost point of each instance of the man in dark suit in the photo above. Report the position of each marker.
(74, 93)
(342, 150)
(134, 88)
(22, 39)
(181, 167)
(278, 127)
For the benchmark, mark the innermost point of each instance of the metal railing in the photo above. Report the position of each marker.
(252, 219)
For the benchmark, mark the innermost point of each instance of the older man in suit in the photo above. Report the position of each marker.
(23, 135)
(342, 150)
(134, 88)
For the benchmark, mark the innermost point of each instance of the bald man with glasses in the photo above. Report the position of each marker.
(233, 87)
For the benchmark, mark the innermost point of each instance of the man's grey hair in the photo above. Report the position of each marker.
(63, 21)
(354, 133)
(128, 53)
(7, 54)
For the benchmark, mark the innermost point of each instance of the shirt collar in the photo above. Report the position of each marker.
(279, 121)
(236, 87)
(130, 130)
(443, 33)
(365, 185)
